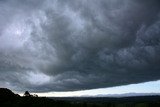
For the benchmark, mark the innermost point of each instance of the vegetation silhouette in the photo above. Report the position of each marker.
(27, 94)
(9, 99)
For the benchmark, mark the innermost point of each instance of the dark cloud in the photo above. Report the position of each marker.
(74, 45)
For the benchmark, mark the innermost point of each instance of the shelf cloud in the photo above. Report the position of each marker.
(64, 45)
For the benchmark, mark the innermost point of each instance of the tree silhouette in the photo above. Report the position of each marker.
(35, 95)
(27, 94)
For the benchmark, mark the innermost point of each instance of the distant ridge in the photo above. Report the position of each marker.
(128, 95)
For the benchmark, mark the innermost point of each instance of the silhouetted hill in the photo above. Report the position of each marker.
(7, 95)
(9, 99)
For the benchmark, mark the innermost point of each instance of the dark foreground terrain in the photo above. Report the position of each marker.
(9, 99)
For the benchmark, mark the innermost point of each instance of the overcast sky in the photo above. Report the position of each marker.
(71, 45)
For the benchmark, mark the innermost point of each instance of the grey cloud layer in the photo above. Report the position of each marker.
(78, 44)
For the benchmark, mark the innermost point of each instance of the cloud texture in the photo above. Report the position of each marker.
(62, 45)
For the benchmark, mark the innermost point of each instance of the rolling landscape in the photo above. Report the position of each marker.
(9, 99)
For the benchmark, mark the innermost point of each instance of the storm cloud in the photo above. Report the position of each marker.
(63, 45)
